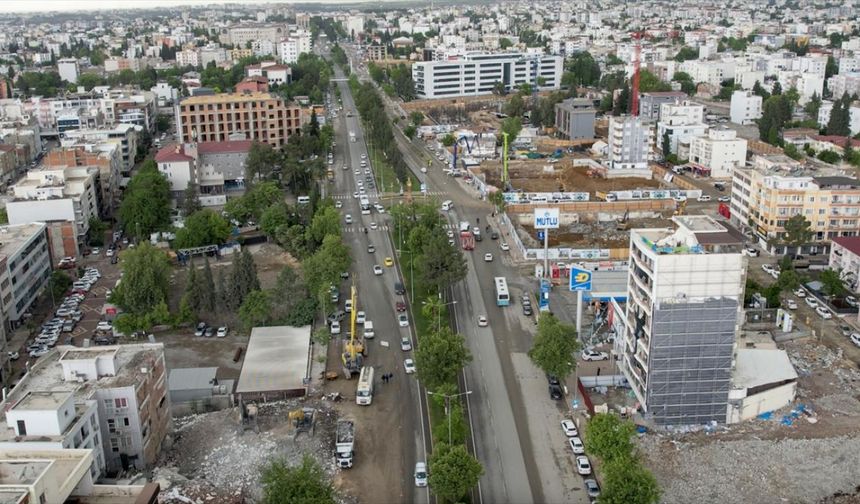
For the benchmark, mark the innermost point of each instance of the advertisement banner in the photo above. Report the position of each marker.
(546, 218)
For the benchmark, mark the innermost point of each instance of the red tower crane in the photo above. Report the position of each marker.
(637, 51)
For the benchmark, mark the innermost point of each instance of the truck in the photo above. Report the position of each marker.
(467, 240)
(344, 443)
(352, 136)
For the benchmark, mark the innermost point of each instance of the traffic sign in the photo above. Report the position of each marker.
(541, 234)
(580, 279)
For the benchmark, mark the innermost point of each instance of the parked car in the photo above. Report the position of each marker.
(855, 338)
(592, 488)
(851, 301)
(104, 325)
(811, 301)
(403, 320)
(39, 352)
(405, 344)
(846, 329)
(569, 428)
(594, 355)
(790, 304)
(209, 332)
(200, 329)
(576, 445)
(751, 252)
(504, 246)
(222, 332)
(335, 327)
(400, 306)
(583, 466)
(420, 474)
(409, 366)
(823, 313)
(360, 317)
(703, 198)
(799, 292)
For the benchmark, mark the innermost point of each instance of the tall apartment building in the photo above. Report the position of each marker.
(650, 103)
(120, 64)
(229, 116)
(774, 188)
(574, 118)
(376, 52)
(65, 195)
(745, 107)
(290, 48)
(720, 152)
(105, 156)
(25, 267)
(188, 57)
(125, 136)
(681, 122)
(630, 143)
(112, 400)
(239, 35)
(685, 290)
(477, 74)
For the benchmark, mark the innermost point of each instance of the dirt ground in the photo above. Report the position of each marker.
(589, 234)
(529, 176)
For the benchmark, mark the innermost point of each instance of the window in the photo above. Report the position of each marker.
(114, 444)
(125, 421)
(111, 425)
(121, 402)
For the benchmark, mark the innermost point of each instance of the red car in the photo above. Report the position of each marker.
(400, 306)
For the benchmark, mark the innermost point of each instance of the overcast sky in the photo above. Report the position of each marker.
(73, 5)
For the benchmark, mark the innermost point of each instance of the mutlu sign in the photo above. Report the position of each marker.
(546, 218)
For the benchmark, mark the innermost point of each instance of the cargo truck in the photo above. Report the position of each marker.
(344, 443)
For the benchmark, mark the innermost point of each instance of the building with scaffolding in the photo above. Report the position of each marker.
(684, 295)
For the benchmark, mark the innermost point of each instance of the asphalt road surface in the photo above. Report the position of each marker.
(404, 428)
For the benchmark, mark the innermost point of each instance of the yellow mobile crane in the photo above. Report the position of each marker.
(353, 348)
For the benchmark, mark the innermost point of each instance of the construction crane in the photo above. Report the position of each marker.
(456, 144)
(353, 348)
(637, 53)
(505, 180)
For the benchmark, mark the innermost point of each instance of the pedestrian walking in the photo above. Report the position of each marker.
(385, 378)
(390, 376)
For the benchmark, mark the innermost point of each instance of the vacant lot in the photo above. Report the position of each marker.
(539, 175)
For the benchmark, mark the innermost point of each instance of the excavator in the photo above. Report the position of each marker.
(302, 419)
(353, 348)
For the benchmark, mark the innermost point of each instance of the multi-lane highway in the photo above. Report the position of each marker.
(391, 436)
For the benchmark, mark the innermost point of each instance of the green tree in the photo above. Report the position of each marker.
(274, 218)
(190, 200)
(416, 118)
(448, 140)
(243, 278)
(776, 89)
(515, 106)
(145, 279)
(627, 482)
(145, 206)
(797, 231)
(260, 163)
(760, 90)
(793, 95)
(792, 152)
(324, 267)
(776, 111)
(97, 232)
(209, 297)
(512, 126)
(840, 117)
(584, 69)
(649, 82)
(440, 357)
(410, 131)
(442, 264)
(453, 472)
(829, 156)
(204, 227)
(193, 289)
(554, 347)
(831, 283)
(505, 43)
(609, 437)
(4, 216)
(687, 53)
(667, 144)
(59, 284)
(812, 106)
(256, 309)
(326, 222)
(305, 483)
(686, 81)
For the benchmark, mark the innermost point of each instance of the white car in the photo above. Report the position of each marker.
(703, 199)
(799, 292)
(420, 474)
(450, 234)
(357, 171)
(348, 218)
(504, 246)
(374, 226)
(355, 195)
(583, 466)
(593, 355)
(482, 321)
(569, 428)
(338, 204)
(363, 156)
(423, 169)
(347, 305)
(724, 199)
(751, 252)
(403, 320)
(360, 317)
(222, 332)
(855, 338)
(405, 344)
(811, 302)
(104, 325)
(576, 445)
(409, 366)
(823, 313)
(488, 257)
(377, 269)
(39, 352)
(379, 208)
(335, 327)
(791, 304)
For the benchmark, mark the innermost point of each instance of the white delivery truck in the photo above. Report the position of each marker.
(344, 443)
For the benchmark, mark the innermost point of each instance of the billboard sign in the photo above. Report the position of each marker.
(580, 279)
(546, 218)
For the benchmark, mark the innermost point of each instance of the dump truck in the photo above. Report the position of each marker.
(344, 443)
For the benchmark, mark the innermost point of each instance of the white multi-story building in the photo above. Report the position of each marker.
(477, 74)
(293, 46)
(684, 295)
(25, 267)
(354, 25)
(188, 57)
(721, 151)
(681, 122)
(212, 53)
(111, 399)
(630, 143)
(745, 107)
(64, 195)
(849, 64)
(68, 69)
(848, 83)
(124, 135)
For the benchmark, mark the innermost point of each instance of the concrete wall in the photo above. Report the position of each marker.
(756, 404)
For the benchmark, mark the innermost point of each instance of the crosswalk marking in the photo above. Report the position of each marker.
(360, 229)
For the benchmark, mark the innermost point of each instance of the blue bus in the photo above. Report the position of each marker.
(503, 297)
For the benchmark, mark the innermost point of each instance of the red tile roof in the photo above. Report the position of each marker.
(835, 140)
(228, 146)
(852, 243)
(169, 154)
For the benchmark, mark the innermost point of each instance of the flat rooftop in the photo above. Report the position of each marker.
(24, 472)
(13, 237)
(694, 234)
(699, 223)
(43, 401)
(276, 359)
(226, 98)
(9, 496)
(758, 367)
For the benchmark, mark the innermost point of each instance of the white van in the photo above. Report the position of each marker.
(368, 330)
(447, 205)
(304, 200)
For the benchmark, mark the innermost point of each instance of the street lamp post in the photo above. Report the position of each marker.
(439, 311)
(448, 407)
